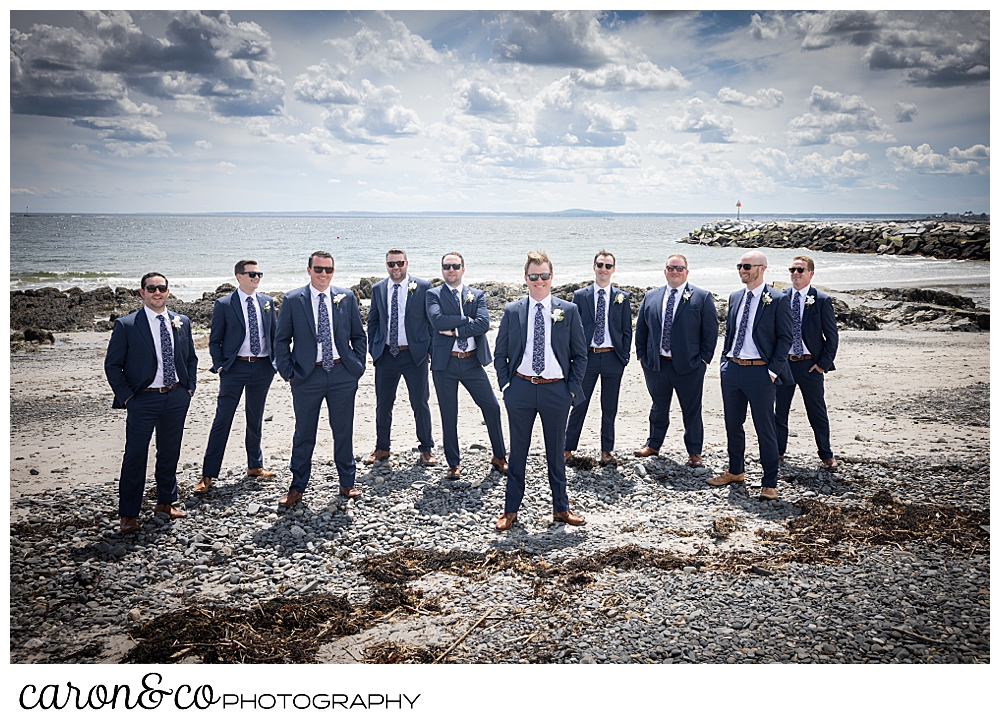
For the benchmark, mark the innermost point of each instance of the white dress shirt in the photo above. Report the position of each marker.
(461, 298)
(803, 293)
(154, 328)
(749, 349)
(552, 371)
(245, 347)
(677, 305)
(314, 295)
(404, 293)
(608, 301)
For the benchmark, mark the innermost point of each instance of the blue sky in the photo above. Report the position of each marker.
(675, 112)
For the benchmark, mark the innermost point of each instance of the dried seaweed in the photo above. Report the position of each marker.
(581, 462)
(390, 652)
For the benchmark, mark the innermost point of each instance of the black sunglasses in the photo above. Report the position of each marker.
(400, 264)
(544, 276)
(446, 267)
(322, 269)
(673, 268)
(602, 265)
(747, 267)
(254, 275)
(161, 288)
(797, 270)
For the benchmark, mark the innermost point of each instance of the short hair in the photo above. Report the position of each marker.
(605, 253)
(454, 253)
(810, 264)
(538, 257)
(148, 275)
(394, 250)
(757, 255)
(321, 255)
(679, 256)
(242, 264)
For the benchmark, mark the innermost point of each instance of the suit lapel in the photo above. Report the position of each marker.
(307, 309)
(142, 322)
(805, 312)
(265, 320)
(238, 308)
(759, 301)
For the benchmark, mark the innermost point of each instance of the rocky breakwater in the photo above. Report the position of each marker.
(941, 239)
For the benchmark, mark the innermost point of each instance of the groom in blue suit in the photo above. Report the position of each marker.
(675, 337)
(242, 347)
(541, 358)
(320, 347)
(459, 351)
(754, 362)
(606, 313)
(152, 369)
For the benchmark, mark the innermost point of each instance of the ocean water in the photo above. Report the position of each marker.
(197, 253)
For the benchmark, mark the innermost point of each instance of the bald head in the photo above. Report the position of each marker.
(757, 262)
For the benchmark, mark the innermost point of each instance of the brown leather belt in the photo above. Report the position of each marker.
(402, 346)
(803, 358)
(537, 380)
(336, 362)
(463, 355)
(161, 390)
(601, 350)
(252, 359)
(748, 362)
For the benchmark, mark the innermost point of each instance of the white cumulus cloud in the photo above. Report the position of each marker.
(764, 98)
(923, 160)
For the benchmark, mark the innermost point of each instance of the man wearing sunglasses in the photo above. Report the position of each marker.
(460, 319)
(675, 337)
(606, 314)
(242, 347)
(754, 362)
(152, 369)
(319, 348)
(400, 338)
(814, 345)
(541, 358)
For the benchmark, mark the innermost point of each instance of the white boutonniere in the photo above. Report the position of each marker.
(619, 298)
(267, 307)
(810, 301)
(338, 299)
(686, 295)
(177, 322)
(468, 297)
(412, 287)
(557, 315)
(766, 298)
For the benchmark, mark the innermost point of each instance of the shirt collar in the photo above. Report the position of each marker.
(151, 315)
(455, 289)
(316, 292)
(804, 291)
(403, 284)
(598, 287)
(547, 302)
(757, 288)
(244, 296)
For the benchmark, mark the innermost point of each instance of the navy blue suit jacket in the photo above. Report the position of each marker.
(130, 362)
(444, 313)
(693, 336)
(418, 330)
(298, 322)
(819, 328)
(772, 330)
(619, 318)
(568, 344)
(229, 328)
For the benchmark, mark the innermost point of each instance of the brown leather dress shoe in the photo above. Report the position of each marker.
(568, 518)
(290, 498)
(351, 492)
(427, 459)
(505, 521)
(130, 525)
(694, 461)
(376, 455)
(454, 472)
(726, 478)
(829, 464)
(768, 493)
(170, 510)
(203, 485)
(646, 452)
(567, 454)
(260, 473)
(499, 464)
(607, 458)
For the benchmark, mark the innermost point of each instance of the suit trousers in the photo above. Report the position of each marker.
(689, 387)
(608, 366)
(388, 370)
(255, 378)
(753, 385)
(473, 377)
(551, 402)
(339, 388)
(146, 412)
(811, 384)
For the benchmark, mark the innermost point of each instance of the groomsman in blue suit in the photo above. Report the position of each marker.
(152, 369)
(242, 347)
(400, 338)
(459, 351)
(814, 345)
(606, 313)
(320, 348)
(541, 358)
(754, 363)
(675, 336)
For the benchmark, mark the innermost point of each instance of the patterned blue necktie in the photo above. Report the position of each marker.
(743, 325)
(602, 312)
(463, 344)
(538, 349)
(668, 322)
(323, 333)
(796, 326)
(252, 326)
(167, 353)
(394, 322)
